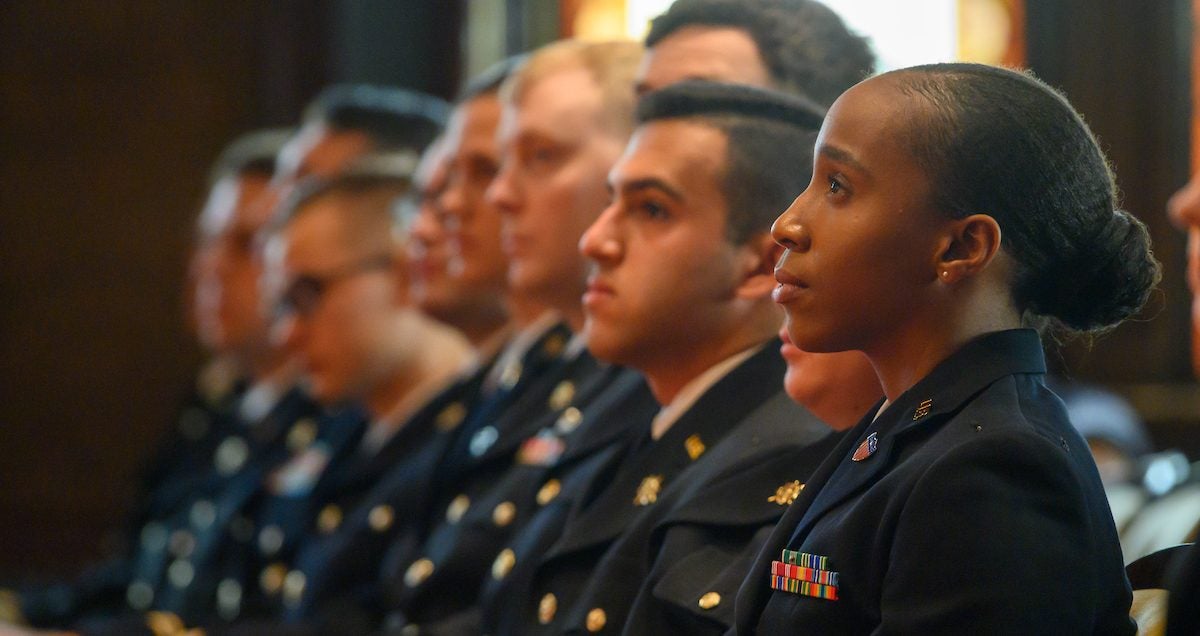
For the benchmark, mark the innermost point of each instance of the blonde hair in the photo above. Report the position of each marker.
(612, 66)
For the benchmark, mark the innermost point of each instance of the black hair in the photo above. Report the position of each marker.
(251, 154)
(1000, 142)
(770, 139)
(393, 118)
(805, 45)
(491, 78)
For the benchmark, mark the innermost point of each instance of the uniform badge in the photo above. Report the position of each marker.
(922, 409)
(866, 449)
(787, 493)
(510, 375)
(299, 475)
(482, 440)
(542, 449)
(568, 421)
(647, 491)
(302, 433)
(694, 446)
(231, 455)
(554, 345)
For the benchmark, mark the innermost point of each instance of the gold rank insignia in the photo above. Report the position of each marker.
(922, 409)
(554, 344)
(562, 395)
(380, 518)
(329, 519)
(647, 492)
(548, 491)
(786, 494)
(694, 446)
(168, 624)
(302, 433)
(503, 564)
(451, 417)
(547, 608)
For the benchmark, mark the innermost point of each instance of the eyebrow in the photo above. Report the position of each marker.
(652, 183)
(843, 156)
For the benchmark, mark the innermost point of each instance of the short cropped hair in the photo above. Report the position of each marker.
(612, 65)
(250, 154)
(769, 136)
(490, 80)
(370, 187)
(806, 47)
(391, 117)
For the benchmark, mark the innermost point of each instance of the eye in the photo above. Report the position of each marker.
(653, 210)
(837, 186)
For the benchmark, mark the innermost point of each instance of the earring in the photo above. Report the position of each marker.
(945, 273)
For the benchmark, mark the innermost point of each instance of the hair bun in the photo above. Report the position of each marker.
(1106, 280)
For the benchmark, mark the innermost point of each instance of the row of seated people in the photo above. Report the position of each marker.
(429, 433)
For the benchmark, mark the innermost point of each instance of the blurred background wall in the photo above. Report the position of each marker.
(111, 110)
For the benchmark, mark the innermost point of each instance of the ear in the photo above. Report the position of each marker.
(968, 248)
(756, 266)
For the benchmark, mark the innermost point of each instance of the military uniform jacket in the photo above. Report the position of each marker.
(969, 506)
(680, 516)
(445, 575)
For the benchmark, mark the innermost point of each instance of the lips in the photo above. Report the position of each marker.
(789, 288)
(597, 291)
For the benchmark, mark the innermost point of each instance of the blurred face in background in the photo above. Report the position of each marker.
(555, 156)
(430, 285)
(473, 224)
(339, 302)
(226, 266)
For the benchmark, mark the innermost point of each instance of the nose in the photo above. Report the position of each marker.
(789, 232)
(502, 192)
(600, 241)
(426, 229)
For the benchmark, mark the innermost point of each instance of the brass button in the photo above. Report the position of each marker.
(568, 421)
(503, 564)
(548, 491)
(231, 455)
(596, 620)
(203, 514)
(503, 513)
(181, 573)
(140, 595)
(271, 578)
(329, 519)
(381, 517)
(270, 540)
(787, 493)
(694, 446)
(418, 572)
(293, 588)
(511, 375)
(451, 417)
(457, 508)
(229, 599)
(547, 607)
(562, 395)
(710, 600)
(301, 435)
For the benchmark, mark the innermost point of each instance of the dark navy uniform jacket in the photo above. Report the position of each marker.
(969, 506)
(441, 580)
(678, 517)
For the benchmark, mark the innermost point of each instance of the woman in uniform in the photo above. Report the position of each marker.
(951, 208)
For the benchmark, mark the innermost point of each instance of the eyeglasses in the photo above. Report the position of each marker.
(303, 294)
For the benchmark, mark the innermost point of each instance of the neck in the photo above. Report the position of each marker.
(670, 373)
(436, 355)
(912, 354)
(524, 310)
(482, 325)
